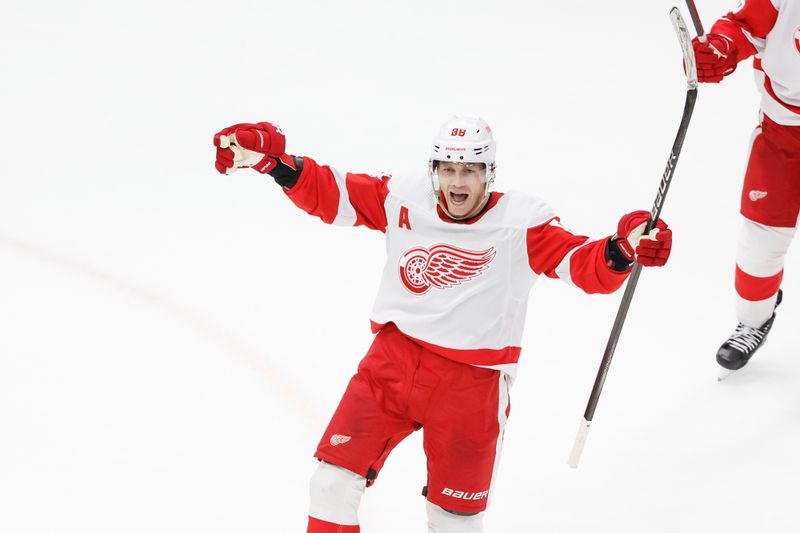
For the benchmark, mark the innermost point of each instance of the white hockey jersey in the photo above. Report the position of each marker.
(458, 288)
(770, 29)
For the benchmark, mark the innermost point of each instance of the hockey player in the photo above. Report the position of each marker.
(770, 30)
(449, 313)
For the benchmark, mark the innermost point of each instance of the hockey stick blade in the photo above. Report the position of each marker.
(691, 96)
(686, 47)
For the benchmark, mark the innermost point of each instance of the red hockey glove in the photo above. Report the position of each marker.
(259, 146)
(650, 250)
(716, 57)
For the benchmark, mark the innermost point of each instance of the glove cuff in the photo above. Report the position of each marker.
(287, 171)
(615, 258)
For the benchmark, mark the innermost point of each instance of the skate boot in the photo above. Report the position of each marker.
(743, 343)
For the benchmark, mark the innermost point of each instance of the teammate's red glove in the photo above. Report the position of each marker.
(650, 250)
(259, 146)
(716, 57)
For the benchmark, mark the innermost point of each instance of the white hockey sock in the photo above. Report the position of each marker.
(440, 521)
(336, 494)
(759, 260)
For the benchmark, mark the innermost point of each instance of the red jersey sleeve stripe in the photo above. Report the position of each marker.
(316, 191)
(590, 272)
(548, 244)
(350, 200)
(367, 194)
(754, 20)
(564, 269)
(558, 253)
(756, 17)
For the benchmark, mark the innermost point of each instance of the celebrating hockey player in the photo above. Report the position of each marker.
(770, 30)
(449, 313)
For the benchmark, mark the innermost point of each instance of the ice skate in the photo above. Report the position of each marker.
(743, 343)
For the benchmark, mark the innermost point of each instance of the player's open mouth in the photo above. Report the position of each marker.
(458, 199)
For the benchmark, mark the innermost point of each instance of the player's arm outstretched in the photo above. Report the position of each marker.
(597, 266)
(733, 38)
(347, 200)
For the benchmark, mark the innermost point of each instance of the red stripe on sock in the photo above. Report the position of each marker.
(755, 289)
(315, 525)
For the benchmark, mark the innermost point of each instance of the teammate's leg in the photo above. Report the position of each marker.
(770, 203)
(759, 270)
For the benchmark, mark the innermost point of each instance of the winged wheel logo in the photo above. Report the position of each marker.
(442, 266)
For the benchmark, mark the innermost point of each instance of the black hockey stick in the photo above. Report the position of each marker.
(698, 25)
(666, 180)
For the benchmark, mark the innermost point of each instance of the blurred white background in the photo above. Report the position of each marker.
(172, 341)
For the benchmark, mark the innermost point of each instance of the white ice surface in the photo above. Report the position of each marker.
(172, 341)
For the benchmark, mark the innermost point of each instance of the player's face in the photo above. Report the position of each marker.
(463, 186)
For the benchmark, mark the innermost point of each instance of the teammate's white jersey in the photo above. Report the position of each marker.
(771, 30)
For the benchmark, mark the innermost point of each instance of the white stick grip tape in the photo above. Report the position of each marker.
(580, 442)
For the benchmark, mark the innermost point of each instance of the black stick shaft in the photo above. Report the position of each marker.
(698, 25)
(622, 312)
(690, 66)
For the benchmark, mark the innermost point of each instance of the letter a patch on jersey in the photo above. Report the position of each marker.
(404, 222)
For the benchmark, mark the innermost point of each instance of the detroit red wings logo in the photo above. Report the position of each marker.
(441, 267)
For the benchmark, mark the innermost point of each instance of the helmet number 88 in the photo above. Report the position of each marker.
(458, 132)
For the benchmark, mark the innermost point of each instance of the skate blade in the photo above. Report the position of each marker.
(723, 374)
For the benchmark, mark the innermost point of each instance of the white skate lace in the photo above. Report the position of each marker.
(746, 338)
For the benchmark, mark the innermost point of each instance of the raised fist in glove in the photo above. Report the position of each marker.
(716, 57)
(259, 146)
(632, 245)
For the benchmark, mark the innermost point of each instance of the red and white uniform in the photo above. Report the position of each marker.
(449, 314)
(459, 289)
(770, 30)
(449, 318)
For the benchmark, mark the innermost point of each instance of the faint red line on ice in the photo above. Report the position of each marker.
(186, 314)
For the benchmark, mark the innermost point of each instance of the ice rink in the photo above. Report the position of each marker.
(173, 341)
